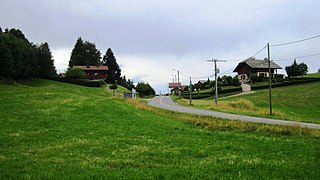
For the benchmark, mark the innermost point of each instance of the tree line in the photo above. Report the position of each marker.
(296, 69)
(20, 58)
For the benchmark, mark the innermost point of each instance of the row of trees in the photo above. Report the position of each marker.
(222, 81)
(296, 69)
(20, 58)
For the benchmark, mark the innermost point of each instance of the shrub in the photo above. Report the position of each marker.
(75, 73)
(236, 81)
(254, 78)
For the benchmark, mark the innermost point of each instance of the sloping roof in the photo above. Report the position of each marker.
(93, 68)
(255, 63)
(172, 85)
(258, 64)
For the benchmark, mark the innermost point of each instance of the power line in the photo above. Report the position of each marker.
(299, 57)
(293, 42)
(202, 77)
(230, 70)
(259, 51)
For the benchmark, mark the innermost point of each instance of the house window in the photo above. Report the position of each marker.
(96, 74)
(263, 74)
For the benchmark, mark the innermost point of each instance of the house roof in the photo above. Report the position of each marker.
(92, 68)
(261, 64)
(172, 85)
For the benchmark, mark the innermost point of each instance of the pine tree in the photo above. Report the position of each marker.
(84, 53)
(114, 72)
(77, 53)
(45, 61)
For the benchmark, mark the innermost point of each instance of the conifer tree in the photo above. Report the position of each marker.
(45, 61)
(84, 53)
(114, 72)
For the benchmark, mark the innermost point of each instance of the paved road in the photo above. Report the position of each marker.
(165, 102)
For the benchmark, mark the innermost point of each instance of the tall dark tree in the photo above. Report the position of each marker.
(6, 59)
(19, 58)
(77, 53)
(24, 54)
(18, 34)
(114, 72)
(85, 53)
(45, 61)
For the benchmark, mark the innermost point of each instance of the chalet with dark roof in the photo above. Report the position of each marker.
(255, 66)
(94, 72)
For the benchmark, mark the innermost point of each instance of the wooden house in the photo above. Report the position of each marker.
(94, 72)
(254, 66)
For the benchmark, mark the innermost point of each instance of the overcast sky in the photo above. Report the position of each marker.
(150, 38)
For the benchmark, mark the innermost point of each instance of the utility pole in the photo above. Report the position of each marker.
(178, 77)
(175, 78)
(270, 93)
(215, 77)
(177, 86)
(190, 91)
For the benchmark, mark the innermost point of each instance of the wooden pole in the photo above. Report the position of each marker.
(270, 87)
(190, 91)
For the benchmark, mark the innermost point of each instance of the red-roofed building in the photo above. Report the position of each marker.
(94, 72)
(177, 87)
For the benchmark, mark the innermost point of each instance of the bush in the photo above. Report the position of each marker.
(75, 73)
(254, 78)
(77, 82)
(113, 86)
(236, 81)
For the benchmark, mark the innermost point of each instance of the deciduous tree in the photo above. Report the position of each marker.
(144, 89)
(296, 69)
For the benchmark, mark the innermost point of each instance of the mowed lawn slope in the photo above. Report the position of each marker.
(56, 130)
(295, 103)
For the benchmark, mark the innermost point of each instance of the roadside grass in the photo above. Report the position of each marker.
(56, 130)
(295, 103)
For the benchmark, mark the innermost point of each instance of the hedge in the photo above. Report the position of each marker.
(287, 83)
(77, 82)
(195, 95)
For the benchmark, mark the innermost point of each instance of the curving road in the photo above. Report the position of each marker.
(165, 102)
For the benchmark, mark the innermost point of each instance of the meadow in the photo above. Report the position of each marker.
(60, 131)
(294, 103)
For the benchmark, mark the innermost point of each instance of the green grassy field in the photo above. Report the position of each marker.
(55, 130)
(295, 103)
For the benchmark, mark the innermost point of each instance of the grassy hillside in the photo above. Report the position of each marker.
(296, 103)
(55, 130)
